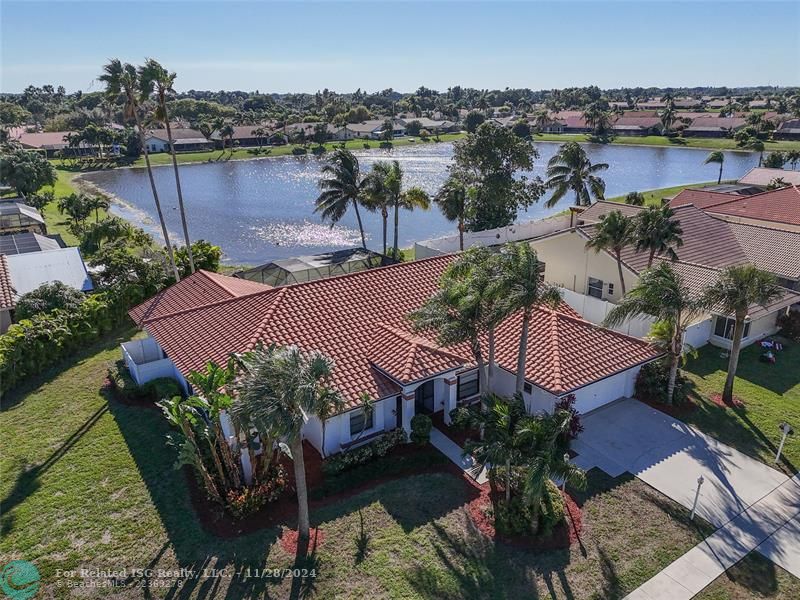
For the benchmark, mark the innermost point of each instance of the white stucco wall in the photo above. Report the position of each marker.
(759, 328)
(337, 428)
(538, 401)
(607, 390)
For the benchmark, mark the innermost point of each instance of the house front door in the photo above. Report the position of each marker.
(423, 401)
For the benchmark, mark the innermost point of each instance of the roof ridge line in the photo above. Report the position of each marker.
(220, 285)
(263, 323)
(557, 378)
(204, 306)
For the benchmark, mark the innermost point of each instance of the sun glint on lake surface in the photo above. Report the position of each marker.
(262, 210)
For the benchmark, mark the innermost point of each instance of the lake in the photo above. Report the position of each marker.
(262, 210)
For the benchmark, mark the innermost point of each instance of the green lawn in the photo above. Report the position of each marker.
(658, 140)
(89, 482)
(654, 197)
(771, 394)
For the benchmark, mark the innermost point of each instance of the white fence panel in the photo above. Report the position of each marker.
(595, 311)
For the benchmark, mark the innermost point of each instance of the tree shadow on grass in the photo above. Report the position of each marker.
(597, 482)
(755, 573)
(27, 481)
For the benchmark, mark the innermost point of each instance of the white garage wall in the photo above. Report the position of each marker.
(607, 390)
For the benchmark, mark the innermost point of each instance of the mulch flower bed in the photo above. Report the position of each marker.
(564, 534)
(290, 537)
(736, 402)
(677, 411)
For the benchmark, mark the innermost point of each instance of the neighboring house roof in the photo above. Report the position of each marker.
(781, 206)
(638, 122)
(789, 126)
(772, 250)
(7, 293)
(48, 140)
(360, 319)
(716, 124)
(199, 288)
(179, 135)
(367, 126)
(20, 243)
(761, 176)
(30, 270)
(574, 122)
(596, 211)
(701, 198)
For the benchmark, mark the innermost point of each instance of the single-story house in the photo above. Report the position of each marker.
(776, 209)
(372, 129)
(29, 270)
(716, 103)
(52, 142)
(7, 296)
(709, 245)
(763, 176)
(637, 126)
(244, 136)
(360, 321)
(575, 125)
(18, 217)
(714, 126)
(183, 139)
(432, 125)
(788, 130)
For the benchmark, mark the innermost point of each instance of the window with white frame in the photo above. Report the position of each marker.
(360, 421)
(723, 327)
(594, 287)
(468, 385)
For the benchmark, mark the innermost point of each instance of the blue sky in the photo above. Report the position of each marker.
(279, 47)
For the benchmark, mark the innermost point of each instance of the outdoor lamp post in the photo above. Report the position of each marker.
(700, 481)
(787, 430)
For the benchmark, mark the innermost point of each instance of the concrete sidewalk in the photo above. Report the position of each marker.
(456, 454)
(776, 514)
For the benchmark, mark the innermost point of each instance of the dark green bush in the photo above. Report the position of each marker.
(299, 151)
(421, 429)
(363, 454)
(651, 384)
(552, 510)
(515, 517)
(790, 325)
(162, 388)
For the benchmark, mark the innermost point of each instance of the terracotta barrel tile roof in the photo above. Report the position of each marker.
(6, 287)
(360, 321)
(781, 206)
(701, 198)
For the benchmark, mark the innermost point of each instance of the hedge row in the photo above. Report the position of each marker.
(33, 345)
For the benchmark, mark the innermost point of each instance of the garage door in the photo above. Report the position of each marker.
(598, 394)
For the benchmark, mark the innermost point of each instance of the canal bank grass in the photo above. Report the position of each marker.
(55, 221)
(654, 197)
(162, 158)
(659, 140)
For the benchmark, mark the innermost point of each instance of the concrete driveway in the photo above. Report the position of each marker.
(668, 455)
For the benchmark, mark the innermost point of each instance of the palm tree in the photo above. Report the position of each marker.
(570, 170)
(635, 198)
(123, 79)
(521, 288)
(756, 145)
(154, 77)
(613, 233)
(663, 294)
(500, 420)
(342, 186)
(452, 202)
(668, 117)
(387, 179)
(548, 458)
(657, 232)
(738, 288)
(376, 197)
(718, 158)
(97, 203)
(793, 157)
(540, 119)
(280, 389)
(227, 131)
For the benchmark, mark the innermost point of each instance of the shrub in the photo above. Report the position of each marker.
(567, 403)
(162, 388)
(299, 151)
(245, 501)
(386, 145)
(123, 384)
(48, 297)
(421, 429)
(651, 384)
(552, 510)
(790, 325)
(515, 517)
(348, 459)
(462, 418)
(318, 150)
(367, 146)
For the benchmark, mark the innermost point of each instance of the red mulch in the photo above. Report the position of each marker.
(736, 402)
(677, 411)
(459, 436)
(289, 538)
(564, 534)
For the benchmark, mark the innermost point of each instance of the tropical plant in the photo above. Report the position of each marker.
(716, 157)
(206, 257)
(452, 202)
(634, 199)
(25, 171)
(520, 287)
(735, 291)
(155, 78)
(48, 297)
(571, 170)
(78, 208)
(279, 390)
(613, 234)
(657, 232)
(661, 293)
(123, 80)
(342, 187)
(793, 157)
(775, 160)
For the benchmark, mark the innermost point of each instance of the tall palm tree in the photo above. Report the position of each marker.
(657, 232)
(376, 196)
(97, 203)
(156, 78)
(736, 290)
(571, 170)
(613, 233)
(668, 117)
(716, 157)
(793, 157)
(123, 79)
(520, 287)
(280, 389)
(342, 187)
(452, 202)
(663, 294)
